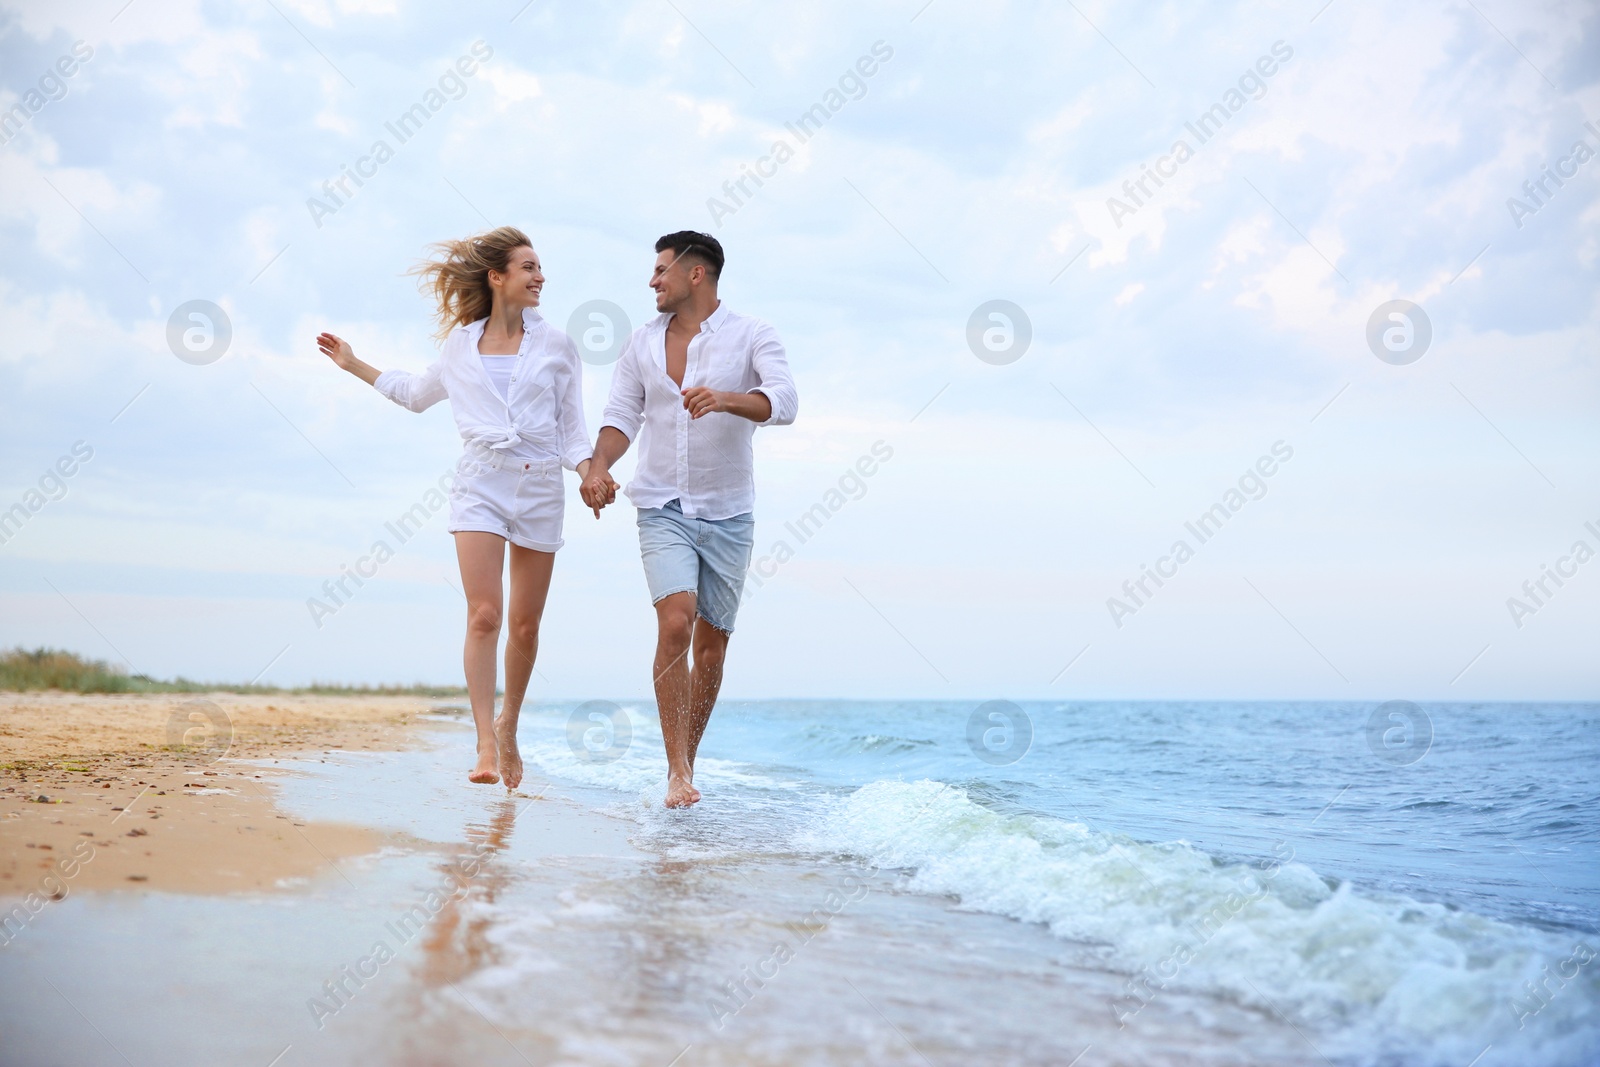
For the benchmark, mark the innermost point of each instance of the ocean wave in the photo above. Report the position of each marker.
(1373, 978)
(835, 741)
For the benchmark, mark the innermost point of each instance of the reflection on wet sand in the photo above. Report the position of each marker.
(457, 945)
(678, 908)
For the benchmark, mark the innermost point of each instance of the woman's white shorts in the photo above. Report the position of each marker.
(520, 499)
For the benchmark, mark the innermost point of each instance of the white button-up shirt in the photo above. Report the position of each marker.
(706, 463)
(541, 416)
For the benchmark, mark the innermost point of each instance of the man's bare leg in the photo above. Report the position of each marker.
(710, 650)
(530, 585)
(482, 557)
(675, 627)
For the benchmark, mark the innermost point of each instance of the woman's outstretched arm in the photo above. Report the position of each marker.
(338, 349)
(417, 392)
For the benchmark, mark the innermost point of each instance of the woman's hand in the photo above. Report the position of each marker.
(337, 349)
(344, 357)
(598, 488)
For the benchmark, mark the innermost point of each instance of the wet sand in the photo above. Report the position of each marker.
(304, 903)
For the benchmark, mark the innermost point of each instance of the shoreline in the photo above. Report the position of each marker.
(580, 921)
(101, 791)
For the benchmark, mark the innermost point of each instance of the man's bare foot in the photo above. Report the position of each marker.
(510, 756)
(487, 770)
(681, 792)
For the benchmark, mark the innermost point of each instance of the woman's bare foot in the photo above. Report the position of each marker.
(487, 770)
(510, 756)
(681, 792)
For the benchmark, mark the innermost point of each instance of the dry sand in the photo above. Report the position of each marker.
(145, 791)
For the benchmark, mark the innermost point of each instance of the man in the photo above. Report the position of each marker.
(692, 385)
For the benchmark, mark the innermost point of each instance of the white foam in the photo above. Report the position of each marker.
(1370, 976)
(642, 767)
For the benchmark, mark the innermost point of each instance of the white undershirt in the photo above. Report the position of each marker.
(499, 369)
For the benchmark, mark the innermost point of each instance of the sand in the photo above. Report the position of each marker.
(148, 791)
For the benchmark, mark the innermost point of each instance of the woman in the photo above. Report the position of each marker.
(516, 389)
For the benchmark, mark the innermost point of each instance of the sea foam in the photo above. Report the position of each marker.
(1369, 977)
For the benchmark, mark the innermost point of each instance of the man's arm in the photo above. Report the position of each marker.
(622, 420)
(702, 401)
(609, 447)
(771, 402)
(771, 364)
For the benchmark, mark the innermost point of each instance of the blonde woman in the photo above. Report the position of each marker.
(515, 386)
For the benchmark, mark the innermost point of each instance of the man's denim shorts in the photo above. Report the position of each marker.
(706, 557)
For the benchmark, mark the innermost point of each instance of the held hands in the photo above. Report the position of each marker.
(598, 488)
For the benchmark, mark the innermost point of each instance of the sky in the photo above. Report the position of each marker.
(1052, 370)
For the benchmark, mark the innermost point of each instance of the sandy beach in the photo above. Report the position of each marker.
(134, 790)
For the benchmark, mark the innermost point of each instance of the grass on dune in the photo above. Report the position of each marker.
(49, 668)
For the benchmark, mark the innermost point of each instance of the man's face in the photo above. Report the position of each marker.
(671, 279)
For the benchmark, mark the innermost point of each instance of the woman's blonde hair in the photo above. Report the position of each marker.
(458, 274)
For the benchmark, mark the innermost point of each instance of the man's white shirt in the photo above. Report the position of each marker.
(707, 463)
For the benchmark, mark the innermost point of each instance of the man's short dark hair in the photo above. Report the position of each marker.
(700, 247)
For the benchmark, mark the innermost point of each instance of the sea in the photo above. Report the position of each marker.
(1397, 883)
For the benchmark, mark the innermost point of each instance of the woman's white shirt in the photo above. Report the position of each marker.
(539, 415)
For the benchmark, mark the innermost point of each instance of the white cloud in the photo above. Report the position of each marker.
(512, 85)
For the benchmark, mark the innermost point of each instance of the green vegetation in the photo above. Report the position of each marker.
(49, 668)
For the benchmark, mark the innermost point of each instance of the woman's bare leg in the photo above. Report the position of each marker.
(530, 584)
(482, 558)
